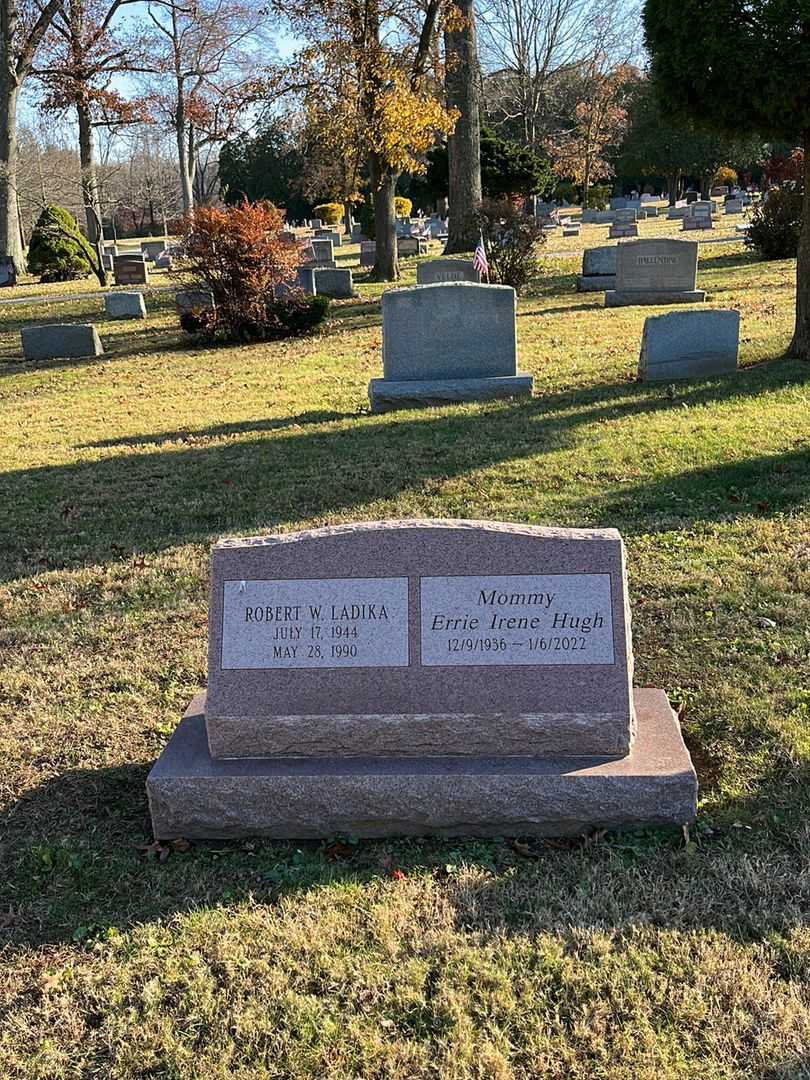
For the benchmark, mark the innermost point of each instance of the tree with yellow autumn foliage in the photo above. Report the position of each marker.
(368, 77)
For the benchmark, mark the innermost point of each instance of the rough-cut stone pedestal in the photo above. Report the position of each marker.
(387, 394)
(194, 796)
(638, 297)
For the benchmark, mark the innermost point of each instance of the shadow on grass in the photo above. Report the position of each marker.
(315, 416)
(586, 305)
(74, 864)
(147, 341)
(85, 512)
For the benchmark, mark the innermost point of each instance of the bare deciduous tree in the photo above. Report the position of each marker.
(203, 67)
(23, 24)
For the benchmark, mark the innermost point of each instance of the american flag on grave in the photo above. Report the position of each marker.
(480, 259)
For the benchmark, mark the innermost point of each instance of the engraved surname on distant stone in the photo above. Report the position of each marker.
(656, 260)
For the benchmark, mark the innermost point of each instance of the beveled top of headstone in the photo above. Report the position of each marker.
(660, 265)
(424, 618)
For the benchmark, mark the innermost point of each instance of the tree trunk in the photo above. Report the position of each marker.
(181, 135)
(586, 181)
(383, 184)
(9, 222)
(672, 183)
(87, 160)
(464, 145)
(347, 217)
(800, 346)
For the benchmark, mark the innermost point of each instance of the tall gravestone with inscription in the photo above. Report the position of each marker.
(421, 677)
(655, 272)
(449, 342)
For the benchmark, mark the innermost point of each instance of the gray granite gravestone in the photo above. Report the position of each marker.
(323, 250)
(449, 342)
(411, 245)
(436, 271)
(193, 300)
(336, 284)
(689, 345)
(60, 340)
(125, 305)
(8, 272)
(421, 677)
(655, 272)
(152, 248)
(598, 269)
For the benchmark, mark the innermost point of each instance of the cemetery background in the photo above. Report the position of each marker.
(639, 955)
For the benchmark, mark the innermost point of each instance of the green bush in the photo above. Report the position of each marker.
(292, 315)
(58, 251)
(367, 220)
(402, 206)
(565, 192)
(776, 225)
(330, 213)
(511, 239)
(599, 196)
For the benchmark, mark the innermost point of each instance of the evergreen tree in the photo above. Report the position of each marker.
(506, 169)
(267, 167)
(740, 67)
(58, 251)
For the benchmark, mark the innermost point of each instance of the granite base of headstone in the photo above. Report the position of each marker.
(60, 340)
(125, 305)
(656, 272)
(447, 343)
(689, 345)
(625, 231)
(421, 678)
(598, 269)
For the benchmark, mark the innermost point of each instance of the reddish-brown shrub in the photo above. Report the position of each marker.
(240, 255)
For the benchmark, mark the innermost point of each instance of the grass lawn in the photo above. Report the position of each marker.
(643, 956)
